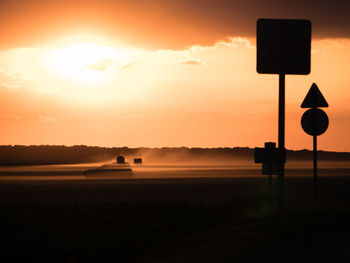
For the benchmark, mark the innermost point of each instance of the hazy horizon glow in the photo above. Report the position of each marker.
(163, 73)
(97, 93)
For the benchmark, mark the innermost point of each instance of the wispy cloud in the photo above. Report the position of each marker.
(105, 64)
(11, 118)
(9, 79)
(128, 65)
(193, 62)
(240, 42)
(102, 65)
(8, 74)
(10, 86)
(47, 119)
(231, 42)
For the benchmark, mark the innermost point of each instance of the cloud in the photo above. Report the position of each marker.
(193, 62)
(128, 65)
(104, 64)
(46, 119)
(8, 74)
(3, 72)
(240, 42)
(9, 79)
(10, 86)
(101, 65)
(229, 42)
(40, 118)
(11, 118)
(153, 23)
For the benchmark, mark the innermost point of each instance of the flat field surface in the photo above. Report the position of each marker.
(174, 213)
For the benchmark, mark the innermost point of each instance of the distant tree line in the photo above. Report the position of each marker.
(60, 154)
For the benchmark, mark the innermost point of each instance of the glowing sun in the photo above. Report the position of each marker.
(85, 64)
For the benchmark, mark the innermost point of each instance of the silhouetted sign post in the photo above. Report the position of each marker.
(314, 121)
(269, 157)
(283, 47)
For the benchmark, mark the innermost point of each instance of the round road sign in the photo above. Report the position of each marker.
(314, 122)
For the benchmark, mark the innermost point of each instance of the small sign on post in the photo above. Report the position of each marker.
(270, 157)
(314, 122)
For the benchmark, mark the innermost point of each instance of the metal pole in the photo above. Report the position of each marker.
(281, 130)
(281, 121)
(270, 187)
(315, 165)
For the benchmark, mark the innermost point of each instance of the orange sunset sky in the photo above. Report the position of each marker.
(163, 73)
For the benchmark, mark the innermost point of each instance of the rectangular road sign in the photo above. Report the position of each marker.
(283, 46)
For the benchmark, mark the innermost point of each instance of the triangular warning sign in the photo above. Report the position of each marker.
(314, 98)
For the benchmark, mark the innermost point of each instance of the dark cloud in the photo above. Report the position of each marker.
(160, 23)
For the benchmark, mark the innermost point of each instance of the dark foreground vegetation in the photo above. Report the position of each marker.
(215, 224)
(50, 154)
(107, 232)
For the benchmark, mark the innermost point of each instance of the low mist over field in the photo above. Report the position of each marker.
(47, 154)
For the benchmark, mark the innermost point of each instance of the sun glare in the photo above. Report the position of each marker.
(84, 64)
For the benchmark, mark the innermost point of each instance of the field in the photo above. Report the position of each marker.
(174, 213)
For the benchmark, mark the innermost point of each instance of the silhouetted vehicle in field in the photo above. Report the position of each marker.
(120, 159)
(138, 160)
